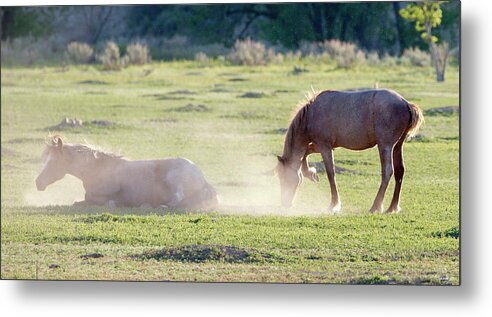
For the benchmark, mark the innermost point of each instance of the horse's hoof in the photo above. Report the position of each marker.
(335, 209)
(393, 210)
(376, 210)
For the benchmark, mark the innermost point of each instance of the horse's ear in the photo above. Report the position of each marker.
(57, 142)
(280, 159)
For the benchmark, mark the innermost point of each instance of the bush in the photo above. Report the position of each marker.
(388, 60)
(345, 54)
(202, 58)
(79, 53)
(138, 54)
(373, 59)
(415, 57)
(251, 53)
(28, 51)
(111, 59)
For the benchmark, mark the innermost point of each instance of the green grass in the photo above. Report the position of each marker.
(234, 140)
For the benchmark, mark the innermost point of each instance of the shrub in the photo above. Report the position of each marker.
(138, 54)
(273, 57)
(373, 59)
(345, 54)
(111, 59)
(79, 53)
(202, 58)
(388, 60)
(29, 51)
(249, 52)
(415, 57)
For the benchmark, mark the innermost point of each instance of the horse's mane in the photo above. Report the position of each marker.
(95, 152)
(299, 118)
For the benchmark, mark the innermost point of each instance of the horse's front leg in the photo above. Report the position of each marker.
(309, 172)
(385, 154)
(327, 154)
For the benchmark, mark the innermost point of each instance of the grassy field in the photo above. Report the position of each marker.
(229, 120)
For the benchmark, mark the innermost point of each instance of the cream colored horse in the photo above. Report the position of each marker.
(352, 120)
(112, 180)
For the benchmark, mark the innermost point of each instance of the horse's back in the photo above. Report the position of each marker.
(159, 182)
(354, 119)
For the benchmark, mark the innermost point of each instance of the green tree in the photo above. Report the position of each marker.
(427, 16)
(25, 21)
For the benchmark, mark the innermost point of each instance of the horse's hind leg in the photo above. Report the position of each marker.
(399, 168)
(385, 154)
(327, 154)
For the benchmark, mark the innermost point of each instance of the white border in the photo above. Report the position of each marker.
(473, 298)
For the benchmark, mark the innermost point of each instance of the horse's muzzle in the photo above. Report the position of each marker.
(40, 186)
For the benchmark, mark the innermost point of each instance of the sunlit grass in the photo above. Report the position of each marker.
(234, 141)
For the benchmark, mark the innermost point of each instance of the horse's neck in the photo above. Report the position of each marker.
(86, 169)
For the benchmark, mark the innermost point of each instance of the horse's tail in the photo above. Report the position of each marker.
(417, 118)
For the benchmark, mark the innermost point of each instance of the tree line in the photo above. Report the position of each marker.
(373, 26)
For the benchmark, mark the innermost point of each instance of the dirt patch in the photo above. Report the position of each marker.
(93, 82)
(92, 256)
(298, 70)
(283, 91)
(68, 123)
(238, 79)
(252, 94)
(101, 123)
(182, 92)
(205, 253)
(164, 97)
(442, 111)
(170, 98)
(220, 90)
(192, 108)
(194, 74)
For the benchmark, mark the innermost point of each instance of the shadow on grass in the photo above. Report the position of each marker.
(94, 210)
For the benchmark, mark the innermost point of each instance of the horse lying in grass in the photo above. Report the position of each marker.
(355, 121)
(115, 181)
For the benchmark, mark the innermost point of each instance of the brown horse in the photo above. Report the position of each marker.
(115, 181)
(355, 121)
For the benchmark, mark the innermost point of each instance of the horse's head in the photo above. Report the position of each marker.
(290, 179)
(55, 164)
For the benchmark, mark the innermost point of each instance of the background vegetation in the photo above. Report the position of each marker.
(147, 84)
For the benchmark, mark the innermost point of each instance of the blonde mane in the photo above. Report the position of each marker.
(95, 152)
(85, 148)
